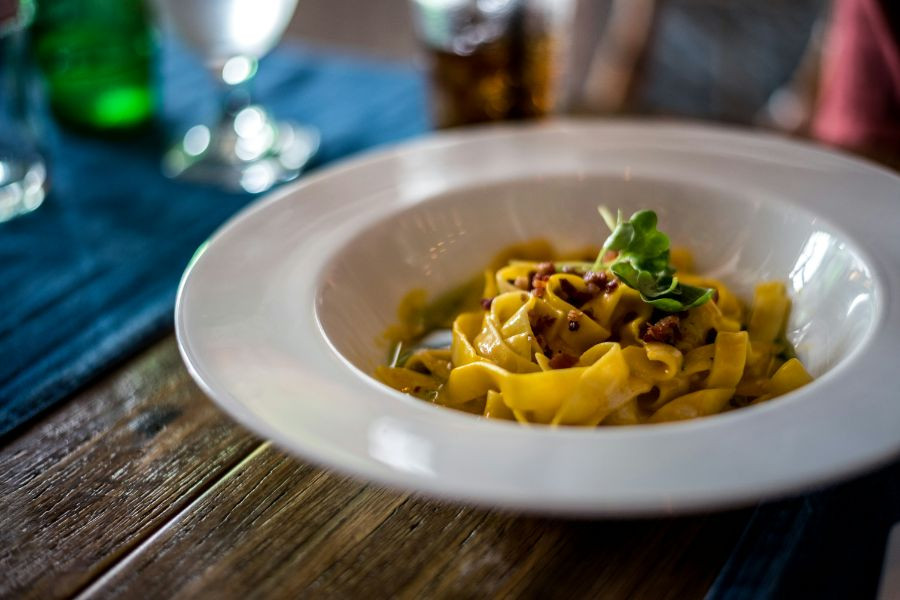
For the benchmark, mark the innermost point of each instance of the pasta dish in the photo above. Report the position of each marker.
(620, 340)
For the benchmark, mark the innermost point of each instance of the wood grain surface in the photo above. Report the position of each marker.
(274, 527)
(85, 484)
(141, 487)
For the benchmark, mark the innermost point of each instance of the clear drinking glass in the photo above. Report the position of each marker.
(23, 175)
(245, 149)
(492, 60)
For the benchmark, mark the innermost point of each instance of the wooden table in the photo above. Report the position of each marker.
(141, 487)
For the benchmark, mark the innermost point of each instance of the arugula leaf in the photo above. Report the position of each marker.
(642, 262)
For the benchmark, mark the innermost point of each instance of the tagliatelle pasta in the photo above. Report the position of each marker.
(565, 344)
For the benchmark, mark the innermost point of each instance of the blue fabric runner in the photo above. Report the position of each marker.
(826, 544)
(90, 277)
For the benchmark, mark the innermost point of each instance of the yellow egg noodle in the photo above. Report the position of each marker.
(576, 347)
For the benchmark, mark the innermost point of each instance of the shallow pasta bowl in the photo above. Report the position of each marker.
(279, 315)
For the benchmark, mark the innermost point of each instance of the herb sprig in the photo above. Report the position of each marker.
(642, 262)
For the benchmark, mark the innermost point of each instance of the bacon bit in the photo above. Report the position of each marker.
(665, 330)
(603, 280)
(563, 361)
(598, 278)
(546, 269)
(486, 303)
(522, 282)
(573, 317)
(538, 292)
(543, 273)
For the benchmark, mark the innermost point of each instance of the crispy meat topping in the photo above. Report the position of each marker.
(562, 360)
(545, 269)
(665, 330)
(598, 278)
(539, 284)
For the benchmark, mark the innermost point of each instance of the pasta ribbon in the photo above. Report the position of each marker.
(664, 366)
(603, 388)
(768, 312)
(699, 360)
(790, 376)
(465, 328)
(627, 414)
(408, 381)
(729, 360)
(696, 404)
(565, 348)
(495, 408)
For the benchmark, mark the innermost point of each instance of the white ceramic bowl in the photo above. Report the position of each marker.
(278, 317)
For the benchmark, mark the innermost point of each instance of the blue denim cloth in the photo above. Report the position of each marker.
(90, 277)
(826, 544)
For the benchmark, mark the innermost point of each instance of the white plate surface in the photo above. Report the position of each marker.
(275, 317)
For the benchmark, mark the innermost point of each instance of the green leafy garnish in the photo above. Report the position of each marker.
(642, 262)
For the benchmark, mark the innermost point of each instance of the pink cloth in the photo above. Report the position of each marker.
(859, 99)
(9, 9)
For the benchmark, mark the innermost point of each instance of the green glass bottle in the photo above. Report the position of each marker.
(96, 58)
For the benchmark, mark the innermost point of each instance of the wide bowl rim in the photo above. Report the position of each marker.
(577, 505)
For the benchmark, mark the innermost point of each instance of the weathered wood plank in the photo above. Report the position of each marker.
(86, 483)
(275, 527)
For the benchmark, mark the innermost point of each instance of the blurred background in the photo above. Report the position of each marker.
(713, 59)
(778, 64)
(176, 80)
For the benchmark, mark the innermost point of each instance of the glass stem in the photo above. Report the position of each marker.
(234, 84)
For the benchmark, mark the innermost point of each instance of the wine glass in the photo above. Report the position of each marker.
(246, 149)
(23, 176)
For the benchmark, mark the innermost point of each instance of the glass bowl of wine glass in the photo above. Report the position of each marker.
(245, 149)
